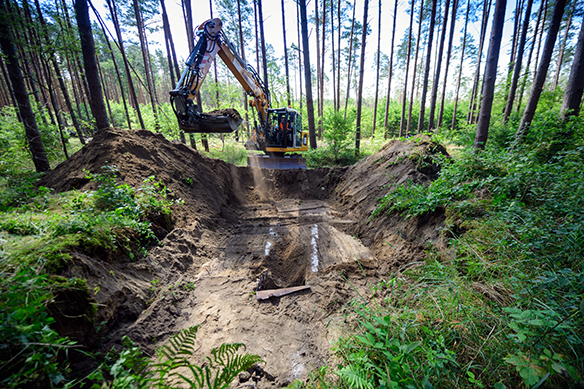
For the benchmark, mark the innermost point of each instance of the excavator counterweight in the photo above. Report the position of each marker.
(278, 132)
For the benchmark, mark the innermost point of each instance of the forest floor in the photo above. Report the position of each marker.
(241, 229)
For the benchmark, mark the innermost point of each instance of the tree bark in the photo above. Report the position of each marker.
(531, 50)
(427, 71)
(575, 87)
(475, 85)
(134, 98)
(263, 43)
(350, 58)
(404, 99)
(33, 136)
(334, 59)
(439, 63)
(307, 74)
(146, 59)
(448, 57)
(563, 46)
(88, 50)
(390, 72)
(285, 55)
(410, 109)
(518, 63)
(537, 86)
(300, 56)
(361, 74)
(119, 77)
(242, 48)
(482, 132)
(377, 71)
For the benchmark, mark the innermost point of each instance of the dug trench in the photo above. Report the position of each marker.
(242, 229)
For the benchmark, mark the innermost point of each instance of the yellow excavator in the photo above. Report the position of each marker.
(279, 131)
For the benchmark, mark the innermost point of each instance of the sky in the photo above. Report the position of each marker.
(273, 31)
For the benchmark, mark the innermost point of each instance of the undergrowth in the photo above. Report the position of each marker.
(502, 305)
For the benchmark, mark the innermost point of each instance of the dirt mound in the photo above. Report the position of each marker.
(247, 229)
(226, 112)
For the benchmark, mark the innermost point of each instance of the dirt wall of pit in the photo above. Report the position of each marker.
(243, 229)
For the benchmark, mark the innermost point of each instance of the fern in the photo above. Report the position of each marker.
(217, 372)
(355, 378)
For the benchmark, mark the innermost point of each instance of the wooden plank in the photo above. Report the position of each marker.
(266, 294)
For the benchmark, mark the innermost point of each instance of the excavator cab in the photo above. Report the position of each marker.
(283, 135)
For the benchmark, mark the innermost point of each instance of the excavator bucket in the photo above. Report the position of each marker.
(275, 162)
(211, 123)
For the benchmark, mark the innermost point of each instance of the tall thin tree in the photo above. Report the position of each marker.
(404, 98)
(492, 61)
(537, 86)
(33, 136)
(518, 62)
(575, 87)
(361, 75)
(427, 71)
(389, 73)
(307, 74)
(377, 70)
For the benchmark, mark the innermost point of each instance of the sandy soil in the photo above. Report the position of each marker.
(241, 229)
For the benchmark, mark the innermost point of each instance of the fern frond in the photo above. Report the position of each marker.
(355, 378)
(182, 343)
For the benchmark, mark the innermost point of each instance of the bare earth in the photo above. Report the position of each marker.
(240, 229)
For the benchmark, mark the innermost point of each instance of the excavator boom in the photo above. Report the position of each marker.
(279, 130)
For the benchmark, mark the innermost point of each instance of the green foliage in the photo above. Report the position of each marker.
(338, 150)
(132, 369)
(516, 220)
(115, 216)
(30, 351)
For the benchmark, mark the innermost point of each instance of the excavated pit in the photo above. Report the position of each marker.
(246, 229)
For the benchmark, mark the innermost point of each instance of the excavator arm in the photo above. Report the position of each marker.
(279, 131)
(210, 43)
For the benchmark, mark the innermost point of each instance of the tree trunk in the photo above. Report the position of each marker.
(334, 59)
(438, 65)
(490, 75)
(563, 46)
(263, 43)
(33, 136)
(321, 97)
(420, 19)
(515, 41)
(119, 77)
(350, 58)
(318, 69)
(539, 80)
(377, 71)
(544, 16)
(404, 99)
(285, 55)
(338, 55)
(475, 85)
(114, 14)
(531, 50)
(307, 74)
(57, 70)
(146, 59)
(390, 72)
(448, 57)
(169, 44)
(88, 50)
(361, 74)
(518, 63)
(427, 71)
(300, 56)
(575, 87)
(242, 48)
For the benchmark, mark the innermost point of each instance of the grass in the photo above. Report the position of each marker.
(501, 304)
